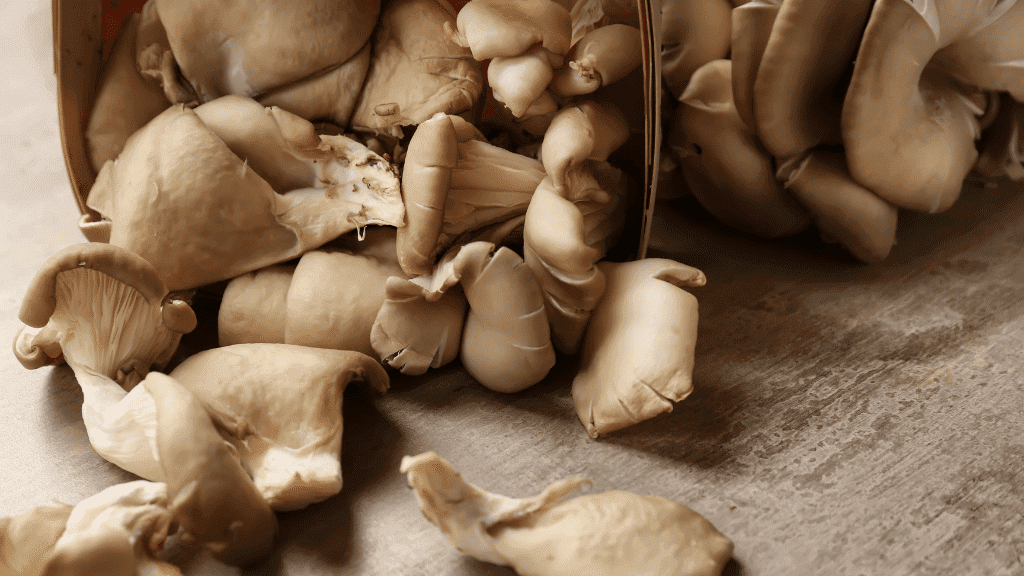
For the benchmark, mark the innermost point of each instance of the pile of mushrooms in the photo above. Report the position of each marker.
(843, 113)
(363, 196)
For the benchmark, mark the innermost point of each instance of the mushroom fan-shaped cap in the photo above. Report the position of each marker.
(281, 405)
(181, 196)
(249, 48)
(612, 534)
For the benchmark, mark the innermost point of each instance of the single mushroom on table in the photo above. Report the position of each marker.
(611, 534)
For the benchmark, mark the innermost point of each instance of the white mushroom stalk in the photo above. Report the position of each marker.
(613, 533)
(280, 406)
(104, 311)
(237, 221)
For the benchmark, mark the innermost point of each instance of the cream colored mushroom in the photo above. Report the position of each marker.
(638, 353)
(280, 407)
(454, 182)
(916, 150)
(225, 49)
(519, 81)
(496, 28)
(586, 131)
(236, 220)
(724, 164)
(116, 532)
(752, 24)
(26, 539)
(210, 496)
(416, 71)
(693, 33)
(105, 311)
(612, 533)
(602, 57)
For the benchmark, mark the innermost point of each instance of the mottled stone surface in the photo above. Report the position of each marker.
(847, 419)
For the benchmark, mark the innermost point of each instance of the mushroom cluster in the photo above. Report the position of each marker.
(374, 186)
(842, 113)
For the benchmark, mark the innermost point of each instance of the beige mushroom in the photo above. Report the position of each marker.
(752, 24)
(602, 57)
(27, 539)
(416, 70)
(454, 182)
(237, 221)
(519, 81)
(225, 48)
(105, 311)
(725, 166)
(638, 353)
(495, 28)
(280, 407)
(210, 495)
(693, 33)
(586, 131)
(611, 533)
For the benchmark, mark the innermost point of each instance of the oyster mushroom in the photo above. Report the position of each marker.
(518, 81)
(225, 48)
(237, 220)
(105, 311)
(638, 352)
(210, 496)
(752, 24)
(724, 164)
(27, 539)
(506, 28)
(587, 131)
(612, 533)
(600, 58)
(692, 34)
(916, 152)
(116, 532)
(436, 74)
(454, 182)
(280, 406)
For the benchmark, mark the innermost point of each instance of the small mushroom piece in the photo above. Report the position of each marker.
(908, 128)
(436, 74)
(799, 89)
(692, 34)
(601, 57)
(280, 406)
(112, 119)
(725, 166)
(210, 496)
(116, 532)
(843, 210)
(237, 220)
(27, 539)
(638, 353)
(518, 81)
(506, 28)
(611, 533)
(225, 49)
(587, 131)
(454, 182)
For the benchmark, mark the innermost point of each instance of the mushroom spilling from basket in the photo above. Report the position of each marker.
(376, 184)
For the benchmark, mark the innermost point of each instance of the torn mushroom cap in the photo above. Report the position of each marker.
(799, 88)
(613, 533)
(908, 130)
(491, 28)
(464, 513)
(454, 182)
(723, 163)
(638, 352)
(139, 323)
(211, 496)
(843, 210)
(281, 406)
(692, 34)
(587, 131)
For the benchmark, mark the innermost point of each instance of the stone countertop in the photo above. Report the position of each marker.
(847, 419)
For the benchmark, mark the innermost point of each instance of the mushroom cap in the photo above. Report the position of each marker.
(693, 33)
(492, 28)
(752, 24)
(225, 48)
